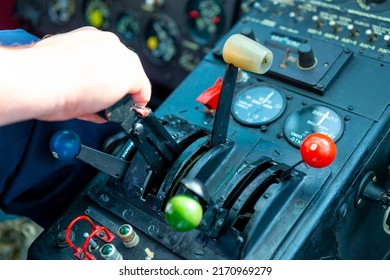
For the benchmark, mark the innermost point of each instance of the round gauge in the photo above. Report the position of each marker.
(205, 19)
(313, 119)
(97, 14)
(61, 11)
(373, 5)
(127, 26)
(161, 38)
(258, 105)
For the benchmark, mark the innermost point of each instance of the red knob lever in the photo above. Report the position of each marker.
(318, 150)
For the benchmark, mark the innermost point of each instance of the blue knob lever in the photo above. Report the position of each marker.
(66, 145)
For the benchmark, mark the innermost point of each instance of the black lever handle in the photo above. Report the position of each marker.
(146, 131)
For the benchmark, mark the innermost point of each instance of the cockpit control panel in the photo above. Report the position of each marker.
(276, 145)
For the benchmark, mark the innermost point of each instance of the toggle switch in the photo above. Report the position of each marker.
(371, 36)
(335, 26)
(387, 39)
(318, 21)
(352, 30)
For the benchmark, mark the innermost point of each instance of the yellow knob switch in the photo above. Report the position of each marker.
(96, 19)
(152, 43)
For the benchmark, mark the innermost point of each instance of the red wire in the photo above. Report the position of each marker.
(108, 237)
(70, 243)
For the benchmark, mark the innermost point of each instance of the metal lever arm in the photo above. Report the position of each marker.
(146, 131)
(154, 142)
(238, 52)
(221, 121)
(66, 145)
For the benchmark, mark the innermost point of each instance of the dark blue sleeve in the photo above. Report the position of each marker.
(32, 182)
(16, 37)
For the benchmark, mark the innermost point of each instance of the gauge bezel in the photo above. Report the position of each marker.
(195, 35)
(107, 20)
(173, 26)
(127, 15)
(259, 123)
(288, 123)
(71, 5)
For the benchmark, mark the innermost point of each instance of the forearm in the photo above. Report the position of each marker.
(27, 84)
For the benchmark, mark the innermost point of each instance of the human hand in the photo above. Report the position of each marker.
(106, 71)
(75, 75)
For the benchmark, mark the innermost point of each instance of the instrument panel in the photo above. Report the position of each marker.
(171, 37)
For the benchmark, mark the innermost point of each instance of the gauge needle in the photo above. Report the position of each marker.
(268, 97)
(323, 118)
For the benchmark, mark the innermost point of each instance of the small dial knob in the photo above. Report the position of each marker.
(318, 150)
(306, 58)
(65, 145)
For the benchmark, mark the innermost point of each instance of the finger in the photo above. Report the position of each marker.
(95, 118)
(143, 95)
(83, 29)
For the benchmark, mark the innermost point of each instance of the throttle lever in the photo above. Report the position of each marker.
(152, 140)
(66, 145)
(146, 131)
(242, 52)
(148, 134)
(121, 112)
